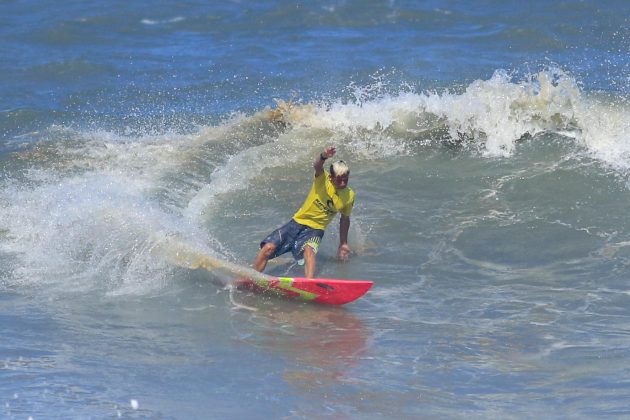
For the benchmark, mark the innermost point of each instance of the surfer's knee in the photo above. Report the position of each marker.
(309, 250)
(267, 249)
(309, 254)
(265, 253)
(309, 261)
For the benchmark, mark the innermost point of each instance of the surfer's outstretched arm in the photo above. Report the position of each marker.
(318, 165)
(343, 253)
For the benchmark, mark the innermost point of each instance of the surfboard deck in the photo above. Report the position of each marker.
(326, 291)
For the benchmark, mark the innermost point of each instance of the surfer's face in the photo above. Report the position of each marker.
(340, 181)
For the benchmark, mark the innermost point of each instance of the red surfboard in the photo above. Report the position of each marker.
(327, 291)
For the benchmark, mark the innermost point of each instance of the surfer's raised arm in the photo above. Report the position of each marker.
(319, 160)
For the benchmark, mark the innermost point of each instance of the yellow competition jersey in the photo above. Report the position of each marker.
(323, 202)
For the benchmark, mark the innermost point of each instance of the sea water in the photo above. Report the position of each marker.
(489, 147)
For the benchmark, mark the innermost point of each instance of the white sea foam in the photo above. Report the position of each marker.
(497, 112)
(82, 230)
(176, 19)
(494, 113)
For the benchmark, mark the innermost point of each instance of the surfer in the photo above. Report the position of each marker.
(329, 195)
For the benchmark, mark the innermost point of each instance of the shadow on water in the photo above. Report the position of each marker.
(320, 344)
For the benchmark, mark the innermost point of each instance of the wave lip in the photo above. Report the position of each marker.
(493, 115)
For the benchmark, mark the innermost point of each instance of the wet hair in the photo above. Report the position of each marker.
(339, 168)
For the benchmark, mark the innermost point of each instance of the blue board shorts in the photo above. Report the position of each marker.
(294, 237)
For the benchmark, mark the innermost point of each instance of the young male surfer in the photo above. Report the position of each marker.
(302, 235)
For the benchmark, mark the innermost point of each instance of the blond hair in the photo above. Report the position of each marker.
(339, 168)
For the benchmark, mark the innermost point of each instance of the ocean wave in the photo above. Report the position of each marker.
(94, 204)
(494, 114)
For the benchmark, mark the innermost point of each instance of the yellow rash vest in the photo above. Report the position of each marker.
(323, 202)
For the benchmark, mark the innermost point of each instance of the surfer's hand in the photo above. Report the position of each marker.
(329, 152)
(343, 253)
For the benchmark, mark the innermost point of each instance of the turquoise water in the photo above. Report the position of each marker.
(488, 146)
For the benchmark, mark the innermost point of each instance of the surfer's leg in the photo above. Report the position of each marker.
(277, 243)
(266, 252)
(310, 262)
(305, 247)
